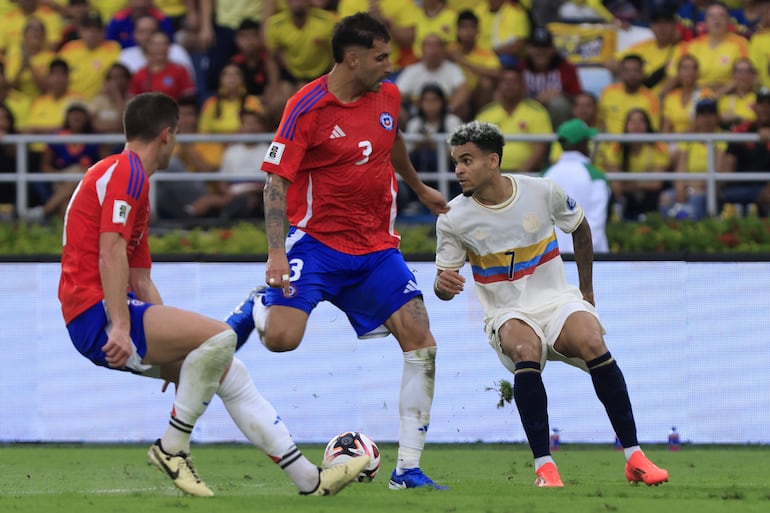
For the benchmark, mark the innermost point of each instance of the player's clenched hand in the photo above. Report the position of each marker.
(449, 283)
(117, 348)
(434, 200)
(277, 272)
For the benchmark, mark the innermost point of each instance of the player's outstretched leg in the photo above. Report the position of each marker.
(241, 319)
(414, 406)
(611, 389)
(180, 469)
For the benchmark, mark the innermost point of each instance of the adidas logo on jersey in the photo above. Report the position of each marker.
(337, 133)
(411, 286)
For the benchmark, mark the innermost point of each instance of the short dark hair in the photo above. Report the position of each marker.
(148, 114)
(59, 64)
(360, 29)
(486, 136)
(467, 15)
(633, 57)
(249, 24)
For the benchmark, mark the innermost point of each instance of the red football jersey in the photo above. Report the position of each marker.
(111, 197)
(337, 156)
(173, 80)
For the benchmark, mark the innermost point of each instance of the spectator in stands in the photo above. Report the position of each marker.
(749, 16)
(737, 105)
(26, 64)
(515, 114)
(243, 199)
(90, 57)
(716, 51)
(434, 67)
(656, 52)
(108, 8)
(67, 158)
(748, 157)
(176, 199)
(17, 102)
(637, 197)
(687, 199)
(550, 78)
(160, 74)
(74, 13)
(108, 106)
(121, 25)
(433, 17)
(7, 163)
(220, 114)
(175, 11)
(252, 57)
(216, 22)
(299, 41)
(691, 17)
(759, 47)
(504, 28)
(12, 24)
(628, 33)
(135, 57)
(46, 115)
(480, 66)
(433, 117)
(586, 107)
(400, 16)
(618, 99)
(679, 103)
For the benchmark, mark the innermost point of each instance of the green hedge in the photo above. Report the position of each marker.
(655, 235)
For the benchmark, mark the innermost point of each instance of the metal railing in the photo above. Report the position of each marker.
(443, 177)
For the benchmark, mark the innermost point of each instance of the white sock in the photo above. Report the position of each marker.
(414, 405)
(198, 381)
(542, 460)
(260, 423)
(629, 451)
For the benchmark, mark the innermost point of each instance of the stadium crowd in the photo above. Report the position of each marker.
(695, 66)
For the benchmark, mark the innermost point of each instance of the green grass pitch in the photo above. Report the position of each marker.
(484, 478)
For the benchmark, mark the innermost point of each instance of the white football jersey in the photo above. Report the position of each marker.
(511, 247)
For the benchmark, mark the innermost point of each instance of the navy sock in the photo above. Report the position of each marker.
(532, 403)
(610, 387)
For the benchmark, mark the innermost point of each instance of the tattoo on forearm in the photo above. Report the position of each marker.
(275, 212)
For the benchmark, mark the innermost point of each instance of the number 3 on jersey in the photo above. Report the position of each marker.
(366, 151)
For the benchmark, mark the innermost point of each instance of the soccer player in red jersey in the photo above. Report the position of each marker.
(331, 173)
(116, 317)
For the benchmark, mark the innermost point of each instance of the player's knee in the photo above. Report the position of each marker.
(280, 341)
(523, 351)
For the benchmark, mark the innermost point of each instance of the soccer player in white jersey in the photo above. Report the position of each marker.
(504, 226)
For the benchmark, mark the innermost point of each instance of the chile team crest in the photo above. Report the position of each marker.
(386, 121)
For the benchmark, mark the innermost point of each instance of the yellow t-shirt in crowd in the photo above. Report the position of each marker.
(228, 122)
(508, 24)
(482, 58)
(39, 62)
(12, 26)
(18, 103)
(715, 63)
(654, 58)
(172, 8)
(759, 53)
(652, 157)
(529, 117)
(697, 154)
(88, 67)
(615, 102)
(444, 24)
(400, 14)
(732, 105)
(682, 113)
(306, 50)
(230, 13)
(47, 113)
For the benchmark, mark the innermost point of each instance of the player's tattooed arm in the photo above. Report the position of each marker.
(584, 256)
(275, 210)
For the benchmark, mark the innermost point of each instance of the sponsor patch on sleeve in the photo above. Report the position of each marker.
(275, 152)
(120, 211)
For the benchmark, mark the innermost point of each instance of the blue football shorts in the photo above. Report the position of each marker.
(368, 288)
(88, 332)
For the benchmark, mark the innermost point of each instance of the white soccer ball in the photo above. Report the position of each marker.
(352, 444)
